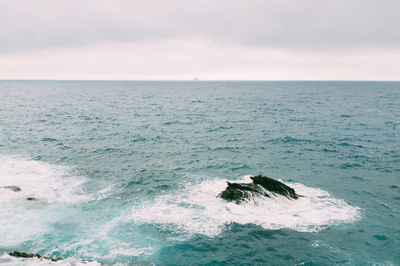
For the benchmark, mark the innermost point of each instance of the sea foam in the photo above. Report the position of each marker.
(48, 182)
(50, 185)
(196, 209)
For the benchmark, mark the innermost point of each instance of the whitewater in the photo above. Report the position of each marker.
(124, 173)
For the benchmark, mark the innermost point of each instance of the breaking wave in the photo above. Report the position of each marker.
(196, 209)
(50, 186)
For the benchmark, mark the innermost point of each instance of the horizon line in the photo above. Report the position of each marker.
(211, 80)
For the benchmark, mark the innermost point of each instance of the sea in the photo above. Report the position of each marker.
(129, 172)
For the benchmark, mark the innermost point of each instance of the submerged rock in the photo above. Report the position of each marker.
(39, 200)
(31, 255)
(261, 185)
(13, 188)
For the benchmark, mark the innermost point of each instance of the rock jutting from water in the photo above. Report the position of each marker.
(261, 185)
(13, 188)
(24, 255)
(31, 198)
(18, 189)
(31, 255)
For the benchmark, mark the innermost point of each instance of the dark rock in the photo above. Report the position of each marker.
(24, 255)
(241, 191)
(13, 188)
(274, 186)
(261, 186)
(31, 198)
(31, 255)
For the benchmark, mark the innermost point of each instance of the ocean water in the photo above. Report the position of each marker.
(129, 172)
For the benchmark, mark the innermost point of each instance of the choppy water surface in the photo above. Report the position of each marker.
(128, 172)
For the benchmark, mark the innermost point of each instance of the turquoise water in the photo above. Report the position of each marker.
(128, 172)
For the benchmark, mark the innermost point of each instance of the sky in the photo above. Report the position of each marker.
(208, 40)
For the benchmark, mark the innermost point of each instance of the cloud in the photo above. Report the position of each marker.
(209, 39)
(306, 25)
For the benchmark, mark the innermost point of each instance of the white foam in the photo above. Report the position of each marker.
(38, 179)
(197, 209)
(131, 252)
(21, 219)
(59, 194)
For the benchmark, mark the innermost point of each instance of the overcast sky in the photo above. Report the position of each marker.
(235, 40)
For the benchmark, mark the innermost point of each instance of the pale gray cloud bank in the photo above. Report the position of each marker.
(262, 32)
